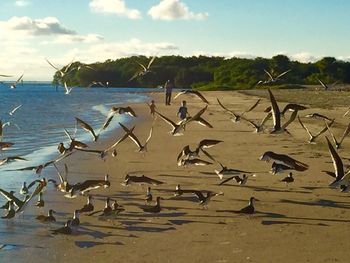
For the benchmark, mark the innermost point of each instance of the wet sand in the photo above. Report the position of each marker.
(303, 222)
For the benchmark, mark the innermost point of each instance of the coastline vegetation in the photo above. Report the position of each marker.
(209, 73)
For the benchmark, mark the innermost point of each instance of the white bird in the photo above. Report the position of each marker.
(14, 110)
(145, 70)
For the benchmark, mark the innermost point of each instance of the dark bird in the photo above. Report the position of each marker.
(85, 126)
(122, 110)
(279, 168)
(47, 219)
(66, 230)
(288, 179)
(228, 171)
(88, 207)
(205, 199)
(5, 145)
(238, 179)
(10, 211)
(140, 180)
(11, 159)
(75, 221)
(153, 209)
(285, 160)
(195, 161)
(293, 107)
(192, 92)
(317, 116)
(88, 185)
(248, 209)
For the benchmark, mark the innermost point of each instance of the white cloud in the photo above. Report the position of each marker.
(174, 9)
(22, 3)
(117, 7)
(304, 57)
(70, 39)
(35, 27)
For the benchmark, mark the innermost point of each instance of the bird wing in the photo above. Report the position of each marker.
(304, 127)
(180, 93)
(199, 194)
(324, 129)
(337, 162)
(150, 135)
(207, 154)
(269, 74)
(170, 122)
(226, 109)
(283, 73)
(16, 108)
(196, 116)
(204, 123)
(59, 174)
(52, 65)
(323, 84)
(252, 107)
(346, 132)
(331, 133)
(68, 135)
(131, 135)
(291, 119)
(126, 135)
(144, 68)
(226, 180)
(267, 117)
(150, 62)
(200, 95)
(130, 111)
(19, 79)
(184, 152)
(86, 127)
(106, 123)
(276, 115)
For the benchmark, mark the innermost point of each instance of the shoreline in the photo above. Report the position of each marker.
(288, 218)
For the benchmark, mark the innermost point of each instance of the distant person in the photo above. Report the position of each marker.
(168, 90)
(182, 112)
(152, 108)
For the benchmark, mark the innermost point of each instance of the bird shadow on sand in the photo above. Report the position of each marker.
(279, 222)
(185, 222)
(280, 190)
(90, 244)
(319, 202)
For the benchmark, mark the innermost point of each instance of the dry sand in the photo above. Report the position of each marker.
(304, 222)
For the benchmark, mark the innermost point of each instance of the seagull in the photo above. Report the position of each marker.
(285, 160)
(24, 190)
(271, 78)
(153, 209)
(85, 126)
(87, 186)
(193, 92)
(276, 115)
(10, 211)
(11, 159)
(239, 180)
(75, 221)
(149, 196)
(63, 186)
(317, 116)
(5, 76)
(145, 70)
(341, 178)
(66, 230)
(9, 196)
(177, 129)
(122, 110)
(132, 136)
(248, 209)
(89, 207)
(96, 83)
(325, 86)
(228, 171)
(338, 143)
(14, 84)
(205, 199)
(5, 145)
(279, 168)
(235, 116)
(312, 138)
(40, 202)
(140, 180)
(288, 179)
(196, 161)
(47, 219)
(293, 107)
(14, 110)
(67, 69)
(203, 144)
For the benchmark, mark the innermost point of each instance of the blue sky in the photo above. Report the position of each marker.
(95, 30)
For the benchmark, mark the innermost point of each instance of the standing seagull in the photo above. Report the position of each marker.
(288, 179)
(88, 207)
(249, 209)
(153, 209)
(47, 219)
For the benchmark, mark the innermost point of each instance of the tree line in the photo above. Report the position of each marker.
(206, 73)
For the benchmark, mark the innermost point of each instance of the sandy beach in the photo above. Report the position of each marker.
(303, 222)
